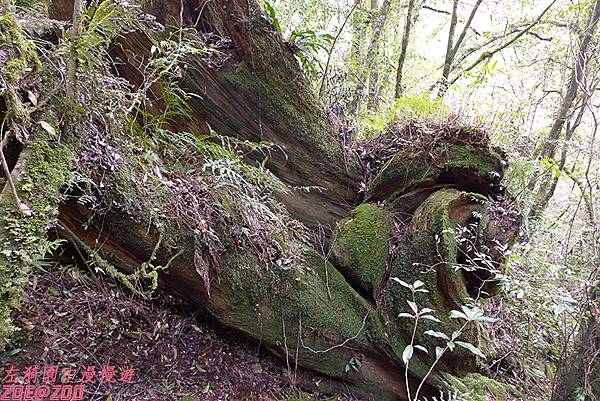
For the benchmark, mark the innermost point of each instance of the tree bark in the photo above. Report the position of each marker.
(453, 47)
(580, 373)
(412, 14)
(449, 46)
(252, 98)
(547, 189)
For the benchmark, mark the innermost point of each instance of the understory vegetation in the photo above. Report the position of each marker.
(398, 198)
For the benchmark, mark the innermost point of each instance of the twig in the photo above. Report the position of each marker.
(23, 208)
(341, 344)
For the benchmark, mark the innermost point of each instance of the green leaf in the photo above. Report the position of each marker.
(450, 345)
(408, 353)
(421, 348)
(454, 314)
(273, 15)
(437, 334)
(471, 348)
(404, 314)
(402, 283)
(413, 306)
(431, 317)
(418, 284)
(439, 351)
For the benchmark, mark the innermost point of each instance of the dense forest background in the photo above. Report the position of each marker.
(519, 75)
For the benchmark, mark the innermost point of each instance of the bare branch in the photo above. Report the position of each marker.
(487, 55)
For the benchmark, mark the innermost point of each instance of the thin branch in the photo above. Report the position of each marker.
(487, 55)
(437, 10)
(324, 77)
(466, 28)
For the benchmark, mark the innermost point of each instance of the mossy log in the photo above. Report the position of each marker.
(333, 309)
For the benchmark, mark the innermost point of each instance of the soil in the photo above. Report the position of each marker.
(75, 320)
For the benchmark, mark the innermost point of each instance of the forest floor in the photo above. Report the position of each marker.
(71, 319)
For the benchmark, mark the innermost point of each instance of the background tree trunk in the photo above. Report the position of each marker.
(370, 78)
(577, 76)
(579, 375)
(412, 14)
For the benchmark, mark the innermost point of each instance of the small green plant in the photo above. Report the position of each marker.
(309, 43)
(418, 106)
(353, 364)
(373, 123)
(483, 74)
(469, 314)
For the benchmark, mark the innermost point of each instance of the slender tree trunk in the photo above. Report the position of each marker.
(443, 84)
(71, 89)
(452, 47)
(372, 51)
(580, 374)
(576, 81)
(546, 191)
(361, 22)
(411, 17)
(577, 76)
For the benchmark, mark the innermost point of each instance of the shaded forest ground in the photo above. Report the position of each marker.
(73, 320)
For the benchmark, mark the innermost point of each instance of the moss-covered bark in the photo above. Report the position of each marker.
(429, 253)
(41, 169)
(362, 245)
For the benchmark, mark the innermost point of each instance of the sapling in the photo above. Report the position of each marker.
(468, 314)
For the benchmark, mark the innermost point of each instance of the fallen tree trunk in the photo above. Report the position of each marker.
(156, 204)
(250, 87)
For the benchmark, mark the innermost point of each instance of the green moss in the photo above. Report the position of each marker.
(411, 169)
(482, 160)
(312, 297)
(402, 173)
(311, 310)
(482, 388)
(361, 247)
(23, 61)
(21, 236)
(45, 166)
(25, 51)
